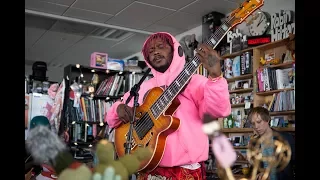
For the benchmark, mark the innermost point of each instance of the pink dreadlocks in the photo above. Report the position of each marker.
(163, 36)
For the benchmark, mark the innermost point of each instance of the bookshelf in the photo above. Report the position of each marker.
(251, 91)
(260, 97)
(84, 117)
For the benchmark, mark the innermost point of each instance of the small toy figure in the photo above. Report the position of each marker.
(291, 46)
(269, 62)
(100, 61)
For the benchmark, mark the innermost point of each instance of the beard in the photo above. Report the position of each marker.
(163, 67)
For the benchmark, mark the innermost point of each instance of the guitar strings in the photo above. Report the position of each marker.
(145, 119)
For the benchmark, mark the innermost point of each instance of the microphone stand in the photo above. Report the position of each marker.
(134, 93)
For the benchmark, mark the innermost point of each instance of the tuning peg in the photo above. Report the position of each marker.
(240, 4)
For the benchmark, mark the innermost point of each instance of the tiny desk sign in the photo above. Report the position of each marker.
(282, 24)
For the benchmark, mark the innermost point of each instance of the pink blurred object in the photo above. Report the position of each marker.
(99, 60)
(223, 151)
(52, 91)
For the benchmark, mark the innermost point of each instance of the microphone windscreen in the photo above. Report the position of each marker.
(223, 151)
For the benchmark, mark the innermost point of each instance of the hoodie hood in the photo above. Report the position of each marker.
(176, 66)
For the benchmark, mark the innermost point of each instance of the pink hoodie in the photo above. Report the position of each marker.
(189, 144)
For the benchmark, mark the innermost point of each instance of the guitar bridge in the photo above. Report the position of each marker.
(133, 143)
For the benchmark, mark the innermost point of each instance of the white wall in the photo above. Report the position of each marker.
(270, 6)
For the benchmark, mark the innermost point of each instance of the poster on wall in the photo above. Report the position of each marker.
(55, 111)
(41, 105)
(236, 41)
(282, 24)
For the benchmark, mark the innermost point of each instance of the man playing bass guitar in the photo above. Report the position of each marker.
(187, 148)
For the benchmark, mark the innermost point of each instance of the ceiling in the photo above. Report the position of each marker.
(62, 32)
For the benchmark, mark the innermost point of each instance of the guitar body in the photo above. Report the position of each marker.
(155, 139)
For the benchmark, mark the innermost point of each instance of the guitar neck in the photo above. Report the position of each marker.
(182, 79)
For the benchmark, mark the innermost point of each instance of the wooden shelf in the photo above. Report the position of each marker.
(279, 113)
(264, 46)
(285, 129)
(236, 53)
(238, 105)
(85, 122)
(260, 98)
(237, 130)
(272, 45)
(246, 76)
(250, 130)
(281, 66)
(267, 93)
(241, 90)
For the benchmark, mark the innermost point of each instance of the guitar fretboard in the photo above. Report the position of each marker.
(181, 80)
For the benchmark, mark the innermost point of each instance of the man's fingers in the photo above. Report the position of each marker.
(203, 50)
(200, 57)
(201, 53)
(207, 48)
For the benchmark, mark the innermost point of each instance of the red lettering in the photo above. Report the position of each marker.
(258, 41)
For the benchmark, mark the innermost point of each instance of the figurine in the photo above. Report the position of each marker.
(269, 62)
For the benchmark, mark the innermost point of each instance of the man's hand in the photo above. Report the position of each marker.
(260, 175)
(125, 113)
(210, 59)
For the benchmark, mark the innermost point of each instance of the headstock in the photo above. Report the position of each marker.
(246, 9)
